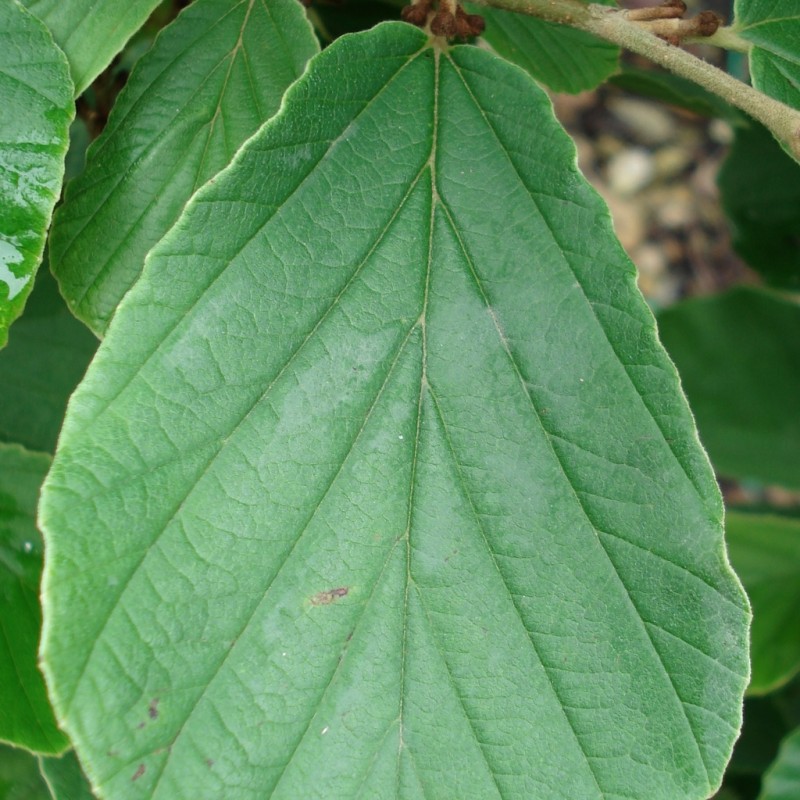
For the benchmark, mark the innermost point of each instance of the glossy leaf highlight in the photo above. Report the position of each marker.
(26, 719)
(401, 484)
(36, 98)
(212, 77)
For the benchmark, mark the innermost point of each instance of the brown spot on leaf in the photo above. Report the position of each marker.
(152, 709)
(209, 762)
(330, 596)
(139, 772)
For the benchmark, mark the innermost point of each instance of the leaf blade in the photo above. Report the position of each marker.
(385, 487)
(36, 93)
(205, 86)
(26, 719)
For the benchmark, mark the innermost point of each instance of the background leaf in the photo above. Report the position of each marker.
(19, 776)
(760, 187)
(423, 527)
(739, 359)
(563, 58)
(210, 79)
(765, 550)
(36, 98)
(65, 779)
(773, 26)
(25, 716)
(46, 357)
(91, 32)
(782, 780)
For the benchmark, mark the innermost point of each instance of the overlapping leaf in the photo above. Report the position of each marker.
(392, 492)
(782, 781)
(19, 776)
(760, 187)
(36, 98)
(65, 779)
(46, 357)
(773, 26)
(25, 716)
(210, 80)
(563, 58)
(739, 359)
(91, 32)
(766, 553)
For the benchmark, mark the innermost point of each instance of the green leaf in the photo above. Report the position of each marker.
(563, 58)
(782, 780)
(765, 550)
(91, 32)
(26, 719)
(19, 776)
(65, 779)
(36, 98)
(773, 26)
(46, 357)
(209, 81)
(675, 90)
(398, 493)
(760, 187)
(739, 358)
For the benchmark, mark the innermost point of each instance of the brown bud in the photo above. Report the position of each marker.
(444, 24)
(678, 4)
(416, 14)
(707, 23)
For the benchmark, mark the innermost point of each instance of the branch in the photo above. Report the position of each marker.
(614, 26)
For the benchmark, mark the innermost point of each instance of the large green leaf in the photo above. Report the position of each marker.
(65, 778)
(760, 187)
(19, 776)
(47, 355)
(91, 32)
(25, 715)
(739, 358)
(397, 495)
(563, 58)
(36, 98)
(766, 553)
(782, 780)
(773, 26)
(210, 80)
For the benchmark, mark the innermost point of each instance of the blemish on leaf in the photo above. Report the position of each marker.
(139, 772)
(330, 596)
(209, 762)
(152, 709)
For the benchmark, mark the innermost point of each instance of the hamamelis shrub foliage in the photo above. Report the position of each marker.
(380, 483)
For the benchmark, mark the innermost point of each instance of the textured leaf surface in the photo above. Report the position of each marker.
(19, 776)
(739, 359)
(216, 74)
(396, 495)
(65, 778)
(563, 58)
(26, 719)
(782, 781)
(773, 26)
(760, 187)
(47, 355)
(91, 32)
(36, 98)
(766, 553)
